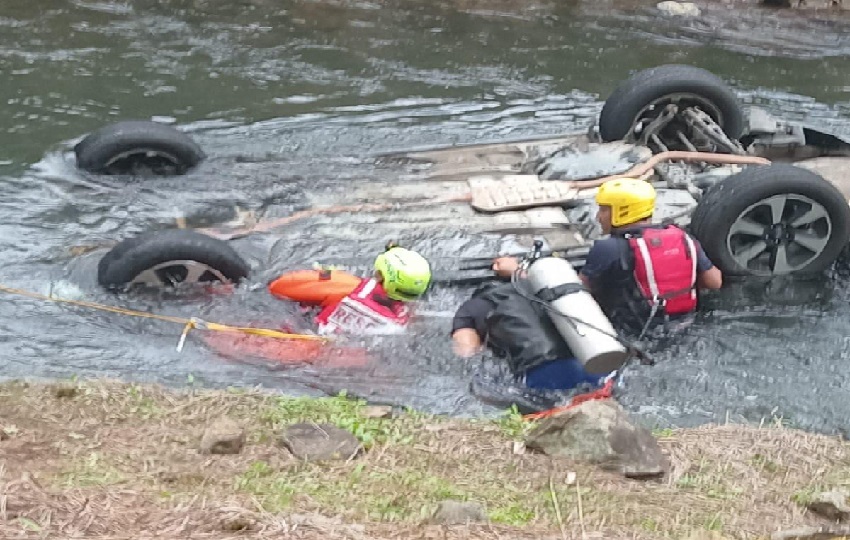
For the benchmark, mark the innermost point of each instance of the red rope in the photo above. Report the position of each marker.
(606, 392)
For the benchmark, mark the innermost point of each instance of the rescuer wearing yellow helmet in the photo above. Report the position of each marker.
(641, 269)
(404, 274)
(400, 276)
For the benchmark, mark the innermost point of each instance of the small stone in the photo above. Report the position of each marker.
(831, 505)
(4, 436)
(315, 442)
(238, 524)
(224, 436)
(459, 513)
(518, 448)
(600, 432)
(377, 411)
(65, 391)
(679, 9)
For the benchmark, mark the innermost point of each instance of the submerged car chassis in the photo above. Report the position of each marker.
(764, 197)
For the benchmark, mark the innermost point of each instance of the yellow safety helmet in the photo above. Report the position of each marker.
(630, 199)
(406, 274)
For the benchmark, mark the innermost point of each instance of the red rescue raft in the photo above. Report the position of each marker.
(314, 287)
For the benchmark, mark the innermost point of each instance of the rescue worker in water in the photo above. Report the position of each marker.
(400, 276)
(640, 273)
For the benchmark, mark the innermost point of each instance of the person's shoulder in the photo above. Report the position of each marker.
(610, 246)
(607, 242)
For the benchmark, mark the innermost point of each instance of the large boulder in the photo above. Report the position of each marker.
(600, 432)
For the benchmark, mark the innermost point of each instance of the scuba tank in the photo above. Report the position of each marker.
(576, 315)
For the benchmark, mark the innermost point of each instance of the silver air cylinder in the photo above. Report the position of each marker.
(597, 350)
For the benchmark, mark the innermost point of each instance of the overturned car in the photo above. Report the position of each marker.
(763, 196)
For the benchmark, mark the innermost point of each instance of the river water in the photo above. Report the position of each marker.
(295, 99)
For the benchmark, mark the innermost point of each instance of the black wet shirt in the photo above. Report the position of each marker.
(473, 314)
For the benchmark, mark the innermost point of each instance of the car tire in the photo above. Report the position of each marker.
(170, 257)
(670, 82)
(772, 220)
(138, 147)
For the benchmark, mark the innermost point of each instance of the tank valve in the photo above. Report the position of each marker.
(535, 253)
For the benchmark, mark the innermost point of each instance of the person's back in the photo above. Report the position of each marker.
(503, 318)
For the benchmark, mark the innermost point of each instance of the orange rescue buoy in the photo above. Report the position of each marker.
(314, 287)
(286, 351)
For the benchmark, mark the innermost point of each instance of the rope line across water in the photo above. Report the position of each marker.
(188, 323)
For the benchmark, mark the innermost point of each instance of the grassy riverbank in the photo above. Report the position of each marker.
(110, 460)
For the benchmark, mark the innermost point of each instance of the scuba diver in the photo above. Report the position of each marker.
(642, 273)
(381, 300)
(502, 317)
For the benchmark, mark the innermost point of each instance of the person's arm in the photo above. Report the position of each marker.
(602, 255)
(710, 279)
(469, 325)
(466, 342)
(708, 275)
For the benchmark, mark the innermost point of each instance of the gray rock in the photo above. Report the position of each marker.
(810, 533)
(459, 513)
(600, 432)
(377, 411)
(315, 442)
(678, 9)
(831, 505)
(65, 391)
(223, 436)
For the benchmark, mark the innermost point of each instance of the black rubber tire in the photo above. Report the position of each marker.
(99, 152)
(129, 258)
(633, 94)
(118, 251)
(724, 202)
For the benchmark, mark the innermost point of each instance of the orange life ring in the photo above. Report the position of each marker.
(314, 287)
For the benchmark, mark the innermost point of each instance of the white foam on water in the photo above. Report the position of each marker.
(62, 289)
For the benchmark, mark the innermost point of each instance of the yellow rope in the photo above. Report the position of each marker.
(188, 324)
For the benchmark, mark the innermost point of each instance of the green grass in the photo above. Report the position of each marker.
(512, 424)
(342, 412)
(396, 494)
(91, 471)
(711, 480)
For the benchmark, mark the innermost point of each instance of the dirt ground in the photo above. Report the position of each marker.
(111, 460)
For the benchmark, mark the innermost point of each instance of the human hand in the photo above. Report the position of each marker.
(505, 266)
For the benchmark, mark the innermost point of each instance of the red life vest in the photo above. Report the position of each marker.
(666, 268)
(365, 308)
